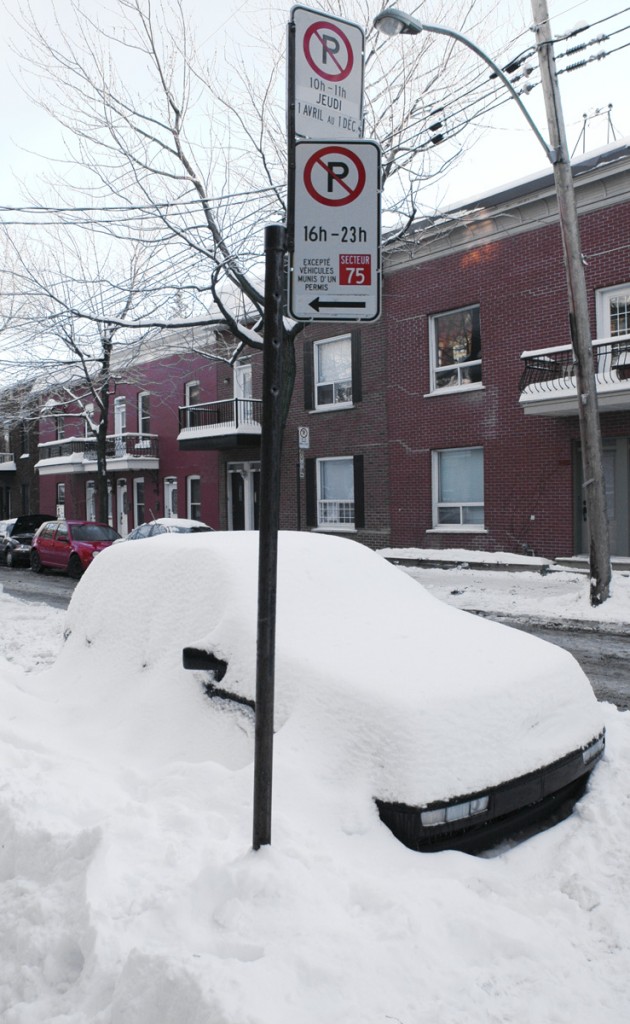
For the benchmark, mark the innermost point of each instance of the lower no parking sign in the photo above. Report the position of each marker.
(335, 261)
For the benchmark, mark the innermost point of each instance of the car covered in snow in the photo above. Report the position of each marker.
(459, 731)
(16, 538)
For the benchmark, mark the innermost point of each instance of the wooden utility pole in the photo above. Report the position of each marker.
(590, 430)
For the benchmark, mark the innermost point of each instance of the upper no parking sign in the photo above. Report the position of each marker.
(328, 75)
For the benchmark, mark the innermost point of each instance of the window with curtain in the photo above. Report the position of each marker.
(335, 492)
(455, 339)
(333, 372)
(458, 489)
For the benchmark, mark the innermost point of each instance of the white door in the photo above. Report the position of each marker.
(170, 497)
(122, 523)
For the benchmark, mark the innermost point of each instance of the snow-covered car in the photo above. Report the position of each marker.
(16, 538)
(166, 525)
(458, 730)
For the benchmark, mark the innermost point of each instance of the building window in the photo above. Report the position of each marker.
(455, 340)
(90, 500)
(24, 438)
(138, 500)
(334, 493)
(192, 397)
(193, 497)
(613, 311)
(333, 372)
(60, 428)
(144, 415)
(458, 489)
(61, 501)
(120, 415)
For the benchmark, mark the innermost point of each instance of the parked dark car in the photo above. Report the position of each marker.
(69, 545)
(16, 538)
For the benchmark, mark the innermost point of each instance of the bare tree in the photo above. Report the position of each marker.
(187, 154)
(181, 155)
(74, 298)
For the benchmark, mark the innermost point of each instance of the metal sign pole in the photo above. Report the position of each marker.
(271, 446)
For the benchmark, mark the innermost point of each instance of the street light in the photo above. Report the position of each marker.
(392, 22)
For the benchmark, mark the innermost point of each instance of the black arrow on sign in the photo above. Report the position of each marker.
(318, 304)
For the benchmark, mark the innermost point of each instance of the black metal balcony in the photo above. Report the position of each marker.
(548, 386)
(231, 423)
(7, 462)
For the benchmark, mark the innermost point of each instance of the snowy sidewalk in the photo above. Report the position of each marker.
(516, 586)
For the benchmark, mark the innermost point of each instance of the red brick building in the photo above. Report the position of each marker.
(148, 475)
(424, 428)
(450, 422)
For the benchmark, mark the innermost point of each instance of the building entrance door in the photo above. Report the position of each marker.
(616, 456)
(243, 494)
(122, 520)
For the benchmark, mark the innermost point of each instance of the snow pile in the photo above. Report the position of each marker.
(130, 893)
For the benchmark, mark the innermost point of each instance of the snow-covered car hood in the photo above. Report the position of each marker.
(381, 680)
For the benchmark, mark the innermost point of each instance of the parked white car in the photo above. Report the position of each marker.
(459, 730)
(168, 525)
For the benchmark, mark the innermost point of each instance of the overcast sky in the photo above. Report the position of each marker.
(507, 151)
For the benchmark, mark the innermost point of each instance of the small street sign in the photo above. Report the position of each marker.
(335, 263)
(327, 86)
(304, 437)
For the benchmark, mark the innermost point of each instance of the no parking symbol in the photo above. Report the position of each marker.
(334, 176)
(328, 51)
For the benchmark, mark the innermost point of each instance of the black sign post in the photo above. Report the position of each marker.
(270, 450)
(327, 63)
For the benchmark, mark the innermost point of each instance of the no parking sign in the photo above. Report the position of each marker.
(335, 263)
(328, 75)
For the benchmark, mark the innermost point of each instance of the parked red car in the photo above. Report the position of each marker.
(69, 545)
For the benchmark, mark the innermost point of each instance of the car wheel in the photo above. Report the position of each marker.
(75, 568)
(36, 562)
(9, 560)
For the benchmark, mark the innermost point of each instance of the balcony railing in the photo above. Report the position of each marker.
(117, 446)
(548, 383)
(233, 421)
(231, 413)
(7, 461)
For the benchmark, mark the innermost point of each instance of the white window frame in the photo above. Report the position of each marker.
(138, 484)
(602, 305)
(191, 506)
(337, 514)
(90, 500)
(243, 380)
(465, 508)
(454, 375)
(318, 347)
(189, 386)
(120, 416)
(142, 417)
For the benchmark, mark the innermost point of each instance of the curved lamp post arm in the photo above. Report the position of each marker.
(393, 22)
